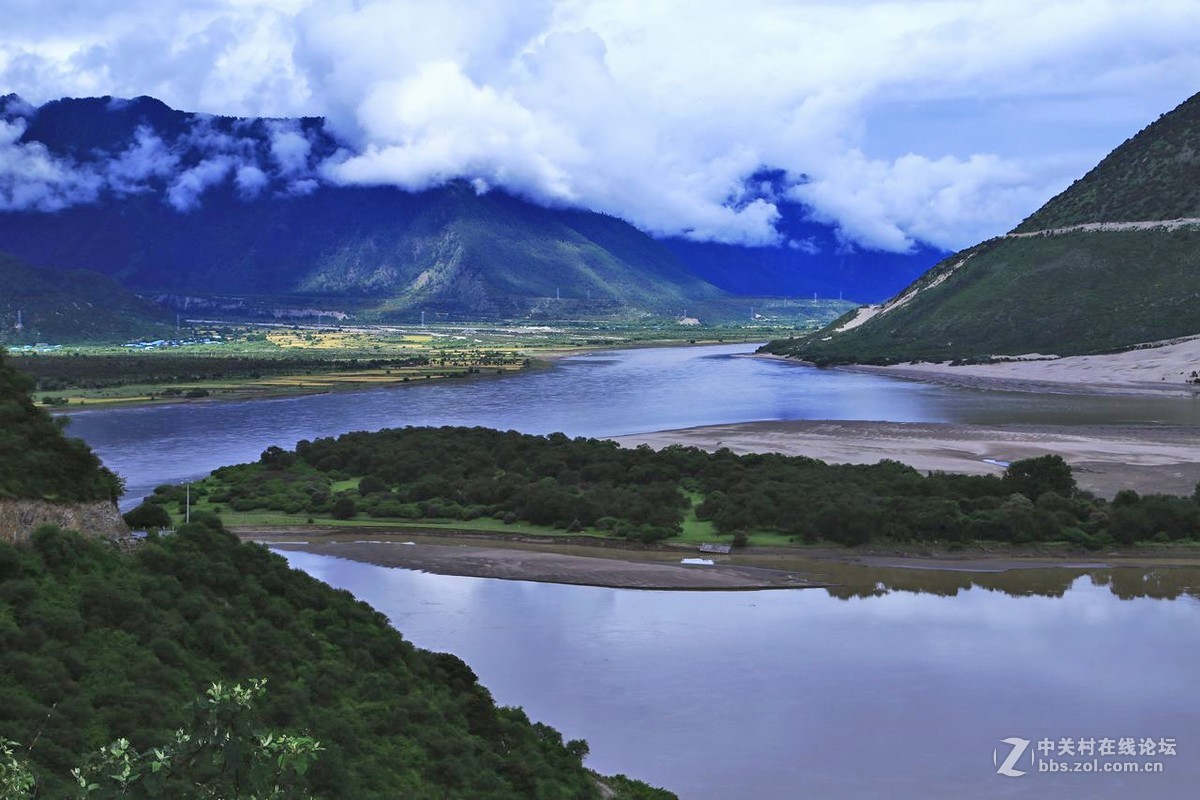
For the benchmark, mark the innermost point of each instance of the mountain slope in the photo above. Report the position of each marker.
(176, 203)
(1112, 262)
(36, 460)
(183, 204)
(73, 306)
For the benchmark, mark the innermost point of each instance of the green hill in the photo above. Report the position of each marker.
(36, 460)
(1112, 262)
(70, 306)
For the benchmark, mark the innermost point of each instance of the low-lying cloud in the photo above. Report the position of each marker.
(660, 114)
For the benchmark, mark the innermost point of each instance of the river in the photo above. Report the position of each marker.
(593, 394)
(775, 695)
(903, 689)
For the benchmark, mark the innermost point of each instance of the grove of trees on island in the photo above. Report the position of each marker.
(589, 485)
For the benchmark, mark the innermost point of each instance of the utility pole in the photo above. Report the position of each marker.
(20, 325)
(187, 507)
(422, 319)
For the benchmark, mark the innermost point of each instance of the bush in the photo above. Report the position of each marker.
(147, 516)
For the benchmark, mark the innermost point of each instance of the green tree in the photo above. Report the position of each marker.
(1034, 476)
(223, 754)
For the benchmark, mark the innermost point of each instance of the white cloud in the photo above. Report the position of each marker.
(184, 192)
(33, 179)
(147, 157)
(289, 147)
(250, 181)
(943, 121)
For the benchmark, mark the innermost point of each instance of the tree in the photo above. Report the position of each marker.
(223, 754)
(147, 516)
(1033, 477)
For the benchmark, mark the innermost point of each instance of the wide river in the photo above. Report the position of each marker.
(903, 684)
(594, 394)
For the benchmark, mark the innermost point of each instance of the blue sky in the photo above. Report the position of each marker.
(938, 121)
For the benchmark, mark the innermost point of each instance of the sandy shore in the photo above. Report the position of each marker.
(1168, 369)
(619, 565)
(1147, 458)
(662, 570)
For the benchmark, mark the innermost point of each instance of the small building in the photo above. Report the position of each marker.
(721, 549)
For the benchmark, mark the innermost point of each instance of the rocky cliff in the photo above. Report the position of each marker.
(19, 518)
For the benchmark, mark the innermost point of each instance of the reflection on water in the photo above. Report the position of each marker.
(902, 693)
(1125, 583)
(594, 394)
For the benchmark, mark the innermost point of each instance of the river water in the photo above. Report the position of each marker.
(788, 694)
(897, 686)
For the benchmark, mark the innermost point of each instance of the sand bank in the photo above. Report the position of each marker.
(1167, 369)
(656, 570)
(1147, 458)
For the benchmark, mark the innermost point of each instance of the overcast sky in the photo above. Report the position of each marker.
(940, 121)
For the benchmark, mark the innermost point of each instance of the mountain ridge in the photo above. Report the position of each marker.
(172, 202)
(1111, 263)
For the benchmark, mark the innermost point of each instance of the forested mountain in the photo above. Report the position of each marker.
(177, 204)
(1112, 262)
(64, 307)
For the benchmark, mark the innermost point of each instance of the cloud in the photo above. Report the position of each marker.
(184, 192)
(289, 147)
(930, 120)
(31, 179)
(146, 158)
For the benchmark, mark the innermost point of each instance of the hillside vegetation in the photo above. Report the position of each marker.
(1061, 292)
(36, 459)
(96, 645)
(72, 306)
(1152, 176)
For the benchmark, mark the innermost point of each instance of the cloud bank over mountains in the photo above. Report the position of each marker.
(661, 115)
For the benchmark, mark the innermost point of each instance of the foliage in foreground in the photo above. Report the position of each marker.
(576, 484)
(96, 645)
(223, 754)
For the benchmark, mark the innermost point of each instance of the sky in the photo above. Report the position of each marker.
(940, 122)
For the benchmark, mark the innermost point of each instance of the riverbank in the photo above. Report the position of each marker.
(618, 564)
(1170, 369)
(1146, 458)
(541, 562)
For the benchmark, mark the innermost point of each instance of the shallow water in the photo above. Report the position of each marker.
(881, 692)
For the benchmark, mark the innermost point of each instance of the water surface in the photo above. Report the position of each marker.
(786, 694)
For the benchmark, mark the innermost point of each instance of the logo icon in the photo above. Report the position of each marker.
(1019, 746)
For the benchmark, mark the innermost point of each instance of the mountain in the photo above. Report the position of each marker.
(196, 208)
(1110, 263)
(73, 306)
(813, 262)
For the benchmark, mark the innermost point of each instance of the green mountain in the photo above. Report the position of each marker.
(36, 460)
(70, 306)
(1112, 262)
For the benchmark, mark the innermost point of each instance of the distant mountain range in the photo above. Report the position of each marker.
(196, 209)
(1110, 263)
